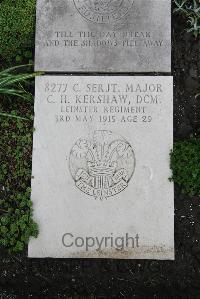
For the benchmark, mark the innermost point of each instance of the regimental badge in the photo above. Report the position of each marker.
(103, 11)
(102, 164)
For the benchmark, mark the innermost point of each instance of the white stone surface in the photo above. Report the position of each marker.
(101, 167)
(103, 36)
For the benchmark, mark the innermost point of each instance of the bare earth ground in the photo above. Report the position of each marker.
(28, 278)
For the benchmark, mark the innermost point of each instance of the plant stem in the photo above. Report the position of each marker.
(2, 210)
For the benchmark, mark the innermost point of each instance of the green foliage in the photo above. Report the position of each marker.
(185, 165)
(17, 25)
(11, 83)
(16, 223)
(190, 9)
(24, 55)
(17, 19)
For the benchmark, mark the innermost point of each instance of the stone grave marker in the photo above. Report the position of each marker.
(100, 171)
(103, 36)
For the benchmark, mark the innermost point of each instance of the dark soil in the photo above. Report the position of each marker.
(21, 277)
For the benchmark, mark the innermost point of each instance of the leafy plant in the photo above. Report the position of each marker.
(12, 82)
(190, 9)
(185, 165)
(24, 55)
(17, 25)
(16, 223)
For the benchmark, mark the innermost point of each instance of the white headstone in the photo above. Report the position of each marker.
(100, 184)
(103, 36)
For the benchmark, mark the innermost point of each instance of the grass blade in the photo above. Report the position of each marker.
(13, 116)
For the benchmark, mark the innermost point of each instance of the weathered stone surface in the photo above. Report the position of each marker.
(103, 36)
(101, 167)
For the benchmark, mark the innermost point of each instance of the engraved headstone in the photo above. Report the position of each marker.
(103, 35)
(100, 172)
